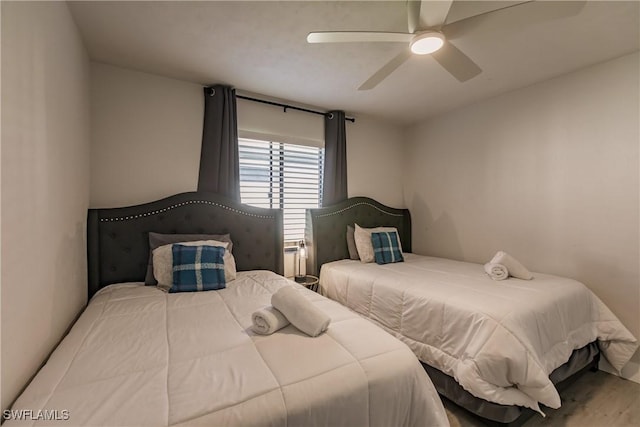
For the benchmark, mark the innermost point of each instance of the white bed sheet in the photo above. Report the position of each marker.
(499, 339)
(138, 356)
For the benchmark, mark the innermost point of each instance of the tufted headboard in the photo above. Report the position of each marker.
(326, 228)
(118, 238)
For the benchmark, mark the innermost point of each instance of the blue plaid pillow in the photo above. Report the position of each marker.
(197, 268)
(386, 248)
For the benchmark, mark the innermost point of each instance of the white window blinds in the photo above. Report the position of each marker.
(281, 175)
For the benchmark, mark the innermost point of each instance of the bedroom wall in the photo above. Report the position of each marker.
(549, 173)
(45, 184)
(146, 134)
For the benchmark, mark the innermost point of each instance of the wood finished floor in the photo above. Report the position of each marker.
(597, 399)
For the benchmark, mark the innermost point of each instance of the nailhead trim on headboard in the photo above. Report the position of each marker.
(358, 204)
(190, 202)
(326, 228)
(118, 238)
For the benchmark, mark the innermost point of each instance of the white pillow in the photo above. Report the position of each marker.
(362, 237)
(163, 262)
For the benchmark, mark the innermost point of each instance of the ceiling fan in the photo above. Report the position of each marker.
(431, 26)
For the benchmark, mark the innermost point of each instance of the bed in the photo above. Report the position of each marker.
(499, 349)
(140, 356)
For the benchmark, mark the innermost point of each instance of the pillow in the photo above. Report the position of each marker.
(163, 262)
(386, 247)
(363, 241)
(197, 268)
(156, 240)
(351, 243)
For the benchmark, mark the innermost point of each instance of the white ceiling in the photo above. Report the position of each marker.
(261, 47)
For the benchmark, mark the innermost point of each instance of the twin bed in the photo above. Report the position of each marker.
(497, 348)
(140, 356)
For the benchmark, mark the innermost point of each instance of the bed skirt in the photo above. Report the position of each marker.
(581, 360)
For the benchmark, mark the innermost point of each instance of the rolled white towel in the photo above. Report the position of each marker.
(496, 271)
(515, 268)
(267, 320)
(301, 312)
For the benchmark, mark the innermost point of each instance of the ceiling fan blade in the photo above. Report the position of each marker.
(468, 9)
(357, 36)
(386, 69)
(413, 15)
(514, 16)
(433, 14)
(456, 63)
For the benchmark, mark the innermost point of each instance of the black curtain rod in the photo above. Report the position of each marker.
(287, 107)
(292, 107)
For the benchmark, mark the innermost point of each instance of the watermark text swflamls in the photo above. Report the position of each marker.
(37, 415)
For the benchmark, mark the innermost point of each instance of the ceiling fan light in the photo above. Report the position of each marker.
(426, 43)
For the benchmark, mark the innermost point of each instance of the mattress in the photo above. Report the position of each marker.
(500, 340)
(139, 356)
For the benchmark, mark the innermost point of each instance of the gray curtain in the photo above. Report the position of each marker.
(334, 187)
(219, 164)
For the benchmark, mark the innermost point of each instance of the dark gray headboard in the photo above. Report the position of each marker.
(118, 238)
(326, 228)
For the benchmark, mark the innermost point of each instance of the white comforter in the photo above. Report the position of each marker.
(499, 340)
(138, 356)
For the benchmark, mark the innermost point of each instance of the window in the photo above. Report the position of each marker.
(281, 175)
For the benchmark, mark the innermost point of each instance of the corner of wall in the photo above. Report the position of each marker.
(630, 372)
(45, 184)
(375, 145)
